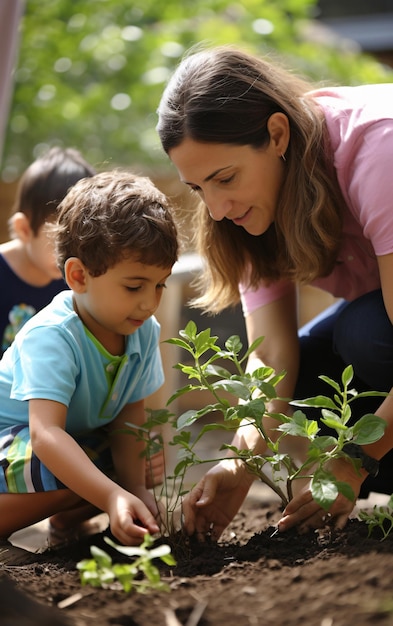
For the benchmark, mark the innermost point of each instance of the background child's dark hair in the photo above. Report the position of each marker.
(46, 181)
(113, 216)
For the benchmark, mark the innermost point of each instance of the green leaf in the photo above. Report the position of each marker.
(226, 426)
(317, 401)
(191, 416)
(368, 429)
(180, 344)
(168, 559)
(331, 382)
(346, 414)
(159, 551)
(88, 565)
(181, 392)
(347, 375)
(268, 390)
(190, 371)
(146, 550)
(124, 576)
(333, 422)
(183, 438)
(90, 578)
(103, 559)
(234, 387)
(187, 419)
(253, 347)
(280, 417)
(217, 370)
(190, 331)
(345, 490)
(262, 373)
(127, 550)
(372, 394)
(322, 443)
(157, 417)
(324, 489)
(204, 342)
(233, 344)
(254, 409)
(300, 426)
(182, 465)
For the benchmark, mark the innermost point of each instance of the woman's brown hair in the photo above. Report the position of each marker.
(225, 95)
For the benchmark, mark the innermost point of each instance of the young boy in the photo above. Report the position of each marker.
(29, 276)
(77, 373)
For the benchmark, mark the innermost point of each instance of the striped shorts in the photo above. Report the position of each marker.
(22, 472)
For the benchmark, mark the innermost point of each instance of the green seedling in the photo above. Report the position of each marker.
(380, 517)
(251, 393)
(242, 398)
(336, 413)
(140, 575)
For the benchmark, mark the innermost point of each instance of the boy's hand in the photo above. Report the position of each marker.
(130, 519)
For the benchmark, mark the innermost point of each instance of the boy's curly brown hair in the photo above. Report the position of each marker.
(112, 216)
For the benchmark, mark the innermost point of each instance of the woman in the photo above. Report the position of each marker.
(295, 188)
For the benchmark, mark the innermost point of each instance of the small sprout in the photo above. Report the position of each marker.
(141, 575)
(380, 517)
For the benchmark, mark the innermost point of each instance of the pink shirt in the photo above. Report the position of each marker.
(360, 124)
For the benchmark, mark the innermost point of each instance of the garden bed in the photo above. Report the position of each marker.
(250, 579)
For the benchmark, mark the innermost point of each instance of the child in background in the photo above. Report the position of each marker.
(29, 276)
(78, 372)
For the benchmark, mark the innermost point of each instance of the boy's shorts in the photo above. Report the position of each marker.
(22, 472)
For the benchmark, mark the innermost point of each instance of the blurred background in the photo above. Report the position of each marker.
(90, 74)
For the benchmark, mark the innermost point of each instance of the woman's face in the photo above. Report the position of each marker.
(239, 183)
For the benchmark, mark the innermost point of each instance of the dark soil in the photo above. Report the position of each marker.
(250, 579)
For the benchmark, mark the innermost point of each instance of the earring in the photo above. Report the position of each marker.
(282, 156)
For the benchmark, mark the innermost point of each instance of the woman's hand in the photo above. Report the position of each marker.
(215, 500)
(306, 514)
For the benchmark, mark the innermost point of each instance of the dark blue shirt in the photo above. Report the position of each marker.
(20, 301)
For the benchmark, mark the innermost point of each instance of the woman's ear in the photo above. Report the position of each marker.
(279, 131)
(20, 227)
(75, 274)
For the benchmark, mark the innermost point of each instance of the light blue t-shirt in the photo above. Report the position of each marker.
(55, 357)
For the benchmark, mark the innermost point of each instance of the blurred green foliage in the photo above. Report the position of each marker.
(90, 74)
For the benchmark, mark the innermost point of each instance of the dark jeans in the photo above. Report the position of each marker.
(357, 333)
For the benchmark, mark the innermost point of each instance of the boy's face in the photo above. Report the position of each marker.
(118, 302)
